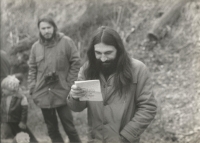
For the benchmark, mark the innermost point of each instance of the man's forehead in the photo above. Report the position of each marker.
(45, 24)
(103, 47)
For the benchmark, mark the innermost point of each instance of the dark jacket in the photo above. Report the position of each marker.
(129, 116)
(60, 56)
(17, 111)
(5, 65)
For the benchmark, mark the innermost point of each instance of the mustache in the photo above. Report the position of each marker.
(107, 67)
(43, 38)
(107, 61)
(48, 33)
(53, 34)
(98, 61)
(107, 64)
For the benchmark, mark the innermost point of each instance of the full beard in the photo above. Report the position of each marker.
(48, 39)
(106, 68)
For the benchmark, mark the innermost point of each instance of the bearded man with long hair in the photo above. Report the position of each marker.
(128, 104)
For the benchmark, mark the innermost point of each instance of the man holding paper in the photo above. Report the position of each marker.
(128, 104)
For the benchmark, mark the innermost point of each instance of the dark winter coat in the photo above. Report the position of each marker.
(18, 109)
(128, 116)
(60, 56)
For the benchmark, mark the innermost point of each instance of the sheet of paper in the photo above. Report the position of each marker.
(92, 88)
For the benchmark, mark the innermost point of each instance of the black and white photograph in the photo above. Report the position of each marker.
(100, 71)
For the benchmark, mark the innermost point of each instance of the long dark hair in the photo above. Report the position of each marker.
(48, 19)
(109, 36)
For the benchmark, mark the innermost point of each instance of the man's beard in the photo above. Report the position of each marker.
(47, 39)
(107, 67)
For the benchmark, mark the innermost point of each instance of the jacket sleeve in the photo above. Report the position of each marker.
(74, 61)
(32, 70)
(146, 107)
(24, 104)
(76, 105)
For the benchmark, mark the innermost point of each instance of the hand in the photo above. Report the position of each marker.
(77, 92)
(22, 125)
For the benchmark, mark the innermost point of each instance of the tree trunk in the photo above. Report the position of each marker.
(159, 29)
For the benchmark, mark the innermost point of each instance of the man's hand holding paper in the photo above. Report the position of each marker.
(88, 90)
(77, 92)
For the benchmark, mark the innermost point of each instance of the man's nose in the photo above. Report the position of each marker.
(46, 30)
(103, 58)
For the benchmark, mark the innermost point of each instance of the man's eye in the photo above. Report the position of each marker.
(98, 53)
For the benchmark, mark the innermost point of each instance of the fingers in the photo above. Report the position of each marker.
(77, 92)
(74, 86)
(76, 96)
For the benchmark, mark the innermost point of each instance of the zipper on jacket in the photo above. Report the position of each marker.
(7, 111)
(104, 104)
(49, 90)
